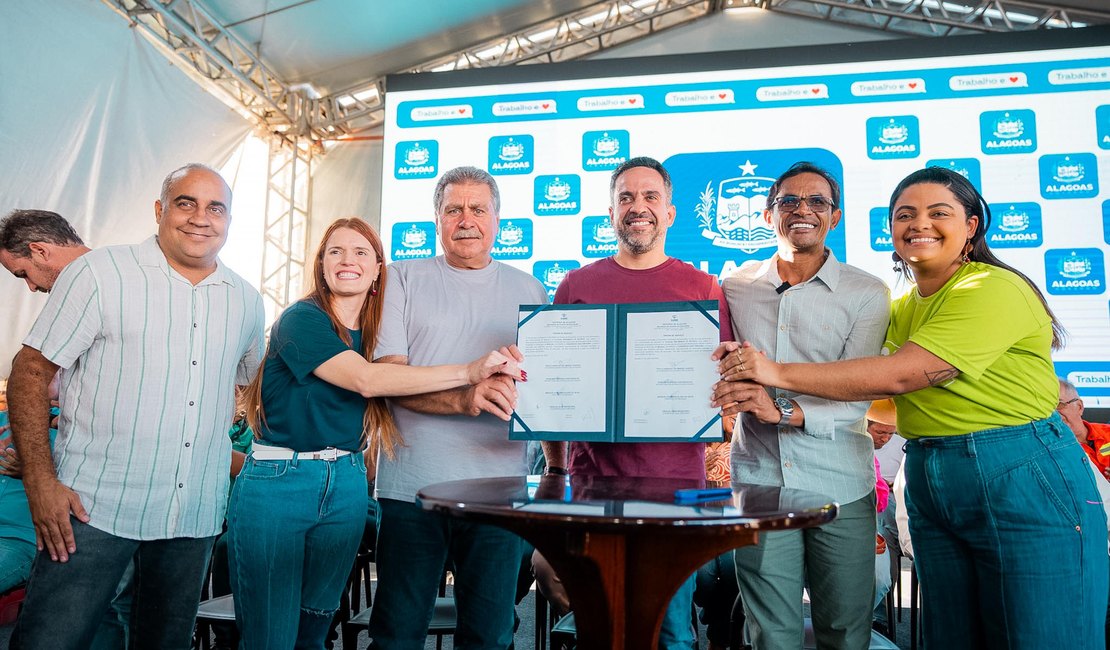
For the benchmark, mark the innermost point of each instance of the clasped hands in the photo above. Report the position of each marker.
(745, 371)
(496, 394)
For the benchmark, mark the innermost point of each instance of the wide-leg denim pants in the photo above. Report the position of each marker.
(1009, 538)
(293, 531)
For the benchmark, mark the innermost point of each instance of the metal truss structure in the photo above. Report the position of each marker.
(285, 236)
(936, 17)
(189, 33)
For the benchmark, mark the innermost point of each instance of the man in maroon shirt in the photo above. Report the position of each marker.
(640, 212)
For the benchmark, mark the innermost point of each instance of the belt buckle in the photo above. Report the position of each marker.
(331, 453)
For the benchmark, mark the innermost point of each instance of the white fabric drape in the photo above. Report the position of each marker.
(92, 117)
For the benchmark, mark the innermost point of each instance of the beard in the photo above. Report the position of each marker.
(635, 243)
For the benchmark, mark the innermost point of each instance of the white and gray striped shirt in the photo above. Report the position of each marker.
(840, 313)
(150, 363)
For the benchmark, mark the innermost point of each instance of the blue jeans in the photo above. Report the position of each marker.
(677, 631)
(169, 574)
(16, 556)
(413, 548)
(1007, 524)
(293, 531)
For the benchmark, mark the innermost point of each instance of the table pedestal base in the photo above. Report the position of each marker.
(620, 583)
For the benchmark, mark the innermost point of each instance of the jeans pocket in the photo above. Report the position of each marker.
(1039, 492)
(264, 469)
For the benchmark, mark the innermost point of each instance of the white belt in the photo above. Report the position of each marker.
(266, 452)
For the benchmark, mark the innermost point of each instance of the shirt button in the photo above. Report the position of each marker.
(782, 327)
(787, 464)
(194, 363)
(187, 444)
(190, 403)
(180, 485)
(194, 324)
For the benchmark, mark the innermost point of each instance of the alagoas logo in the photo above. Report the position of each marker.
(604, 150)
(558, 194)
(880, 230)
(893, 136)
(1106, 221)
(1102, 126)
(1003, 132)
(511, 154)
(599, 238)
(1069, 176)
(720, 197)
(514, 240)
(731, 213)
(413, 239)
(551, 273)
(1015, 225)
(416, 159)
(966, 167)
(1075, 271)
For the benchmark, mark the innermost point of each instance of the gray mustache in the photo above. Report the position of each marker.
(469, 233)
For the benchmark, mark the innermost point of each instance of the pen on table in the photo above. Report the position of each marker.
(692, 494)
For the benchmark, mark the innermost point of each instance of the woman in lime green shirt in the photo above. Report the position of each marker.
(1004, 514)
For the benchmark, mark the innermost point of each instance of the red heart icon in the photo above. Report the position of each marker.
(545, 105)
(721, 95)
(631, 100)
(913, 85)
(461, 111)
(1013, 80)
(815, 90)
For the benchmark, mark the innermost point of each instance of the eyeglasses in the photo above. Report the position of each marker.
(815, 202)
(1061, 405)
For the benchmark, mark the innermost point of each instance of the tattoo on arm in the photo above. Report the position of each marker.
(941, 376)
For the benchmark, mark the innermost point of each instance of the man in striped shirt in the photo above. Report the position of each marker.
(151, 340)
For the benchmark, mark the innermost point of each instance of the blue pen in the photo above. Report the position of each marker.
(693, 494)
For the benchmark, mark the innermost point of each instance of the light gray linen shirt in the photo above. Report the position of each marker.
(840, 313)
(149, 367)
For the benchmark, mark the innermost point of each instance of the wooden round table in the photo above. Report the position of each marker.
(623, 546)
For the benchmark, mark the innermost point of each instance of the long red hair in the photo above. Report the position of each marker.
(377, 424)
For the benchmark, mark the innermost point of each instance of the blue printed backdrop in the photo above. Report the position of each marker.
(413, 239)
(551, 272)
(416, 159)
(511, 154)
(557, 194)
(1002, 132)
(1029, 128)
(1069, 176)
(897, 136)
(720, 199)
(604, 150)
(1102, 126)
(880, 229)
(514, 240)
(966, 167)
(1075, 271)
(599, 239)
(1015, 225)
(1106, 221)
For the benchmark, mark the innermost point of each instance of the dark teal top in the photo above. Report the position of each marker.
(300, 410)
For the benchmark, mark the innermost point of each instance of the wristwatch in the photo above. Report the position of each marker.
(786, 408)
